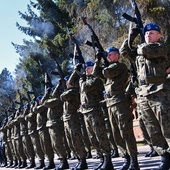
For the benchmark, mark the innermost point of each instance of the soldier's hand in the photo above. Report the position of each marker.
(134, 33)
(83, 76)
(78, 67)
(99, 55)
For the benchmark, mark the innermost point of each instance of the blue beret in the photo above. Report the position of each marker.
(109, 49)
(38, 98)
(89, 63)
(151, 26)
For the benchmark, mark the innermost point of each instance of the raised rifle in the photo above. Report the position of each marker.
(77, 51)
(95, 43)
(59, 69)
(137, 20)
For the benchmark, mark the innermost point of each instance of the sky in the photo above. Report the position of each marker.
(10, 33)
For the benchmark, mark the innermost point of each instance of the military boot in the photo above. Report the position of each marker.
(134, 163)
(88, 154)
(5, 163)
(63, 165)
(9, 164)
(107, 165)
(51, 165)
(23, 165)
(32, 164)
(126, 162)
(100, 164)
(115, 153)
(42, 164)
(82, 165)
(14, 164)
(19, 164)
(165, 162)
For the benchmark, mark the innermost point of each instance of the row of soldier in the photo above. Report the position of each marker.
(58, 115)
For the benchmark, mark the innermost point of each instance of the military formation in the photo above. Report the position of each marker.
(92, 109)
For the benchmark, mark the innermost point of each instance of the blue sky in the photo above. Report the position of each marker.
(10, 33)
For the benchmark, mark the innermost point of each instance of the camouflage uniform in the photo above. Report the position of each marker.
(8, 153)
(120, 116)
(44, 135)
(33, 133)
(152, 60)
(26, 140)
(71, 120)
(91, 93)
(55, 125)
(18, 141)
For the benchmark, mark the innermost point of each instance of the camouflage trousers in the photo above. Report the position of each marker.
(37, 146)
(45, 142)
(121, 121)
(28, 147)
(156, 116)
(96, 129)
(19, 149)
(8, 152)
(57, 139)
(74, 136)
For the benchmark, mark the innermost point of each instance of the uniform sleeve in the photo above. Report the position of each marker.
(68, 95)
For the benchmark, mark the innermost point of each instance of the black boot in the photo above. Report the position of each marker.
(5, 163)
(23, 165)
(32, 164)
(82, 164)
(14, 164)
(165, 162)
(42, 164)
(115, 154)
(89, 155)
(100, 164)
(10, 164)
(126, 162)
(154, 153)
(150, 152)
(134, 163)
(19, 164)
(107, 165)
(51, 165)
(63, 165)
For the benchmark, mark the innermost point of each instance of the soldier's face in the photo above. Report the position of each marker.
(152, 36)
(89, 70)
(113, 56)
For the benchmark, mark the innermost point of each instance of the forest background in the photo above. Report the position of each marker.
(50, 43)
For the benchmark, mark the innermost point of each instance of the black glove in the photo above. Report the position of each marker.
(83, 76)
(99, 55)
(78, 67)
(134, 33)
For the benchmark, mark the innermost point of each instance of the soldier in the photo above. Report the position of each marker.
(18, 140)
(152, 63)
(121, 120)
(26, 140)
(91, 93)
(33, 133)
(5, 143)
(44, 135)
(72, 127)
(55, 124)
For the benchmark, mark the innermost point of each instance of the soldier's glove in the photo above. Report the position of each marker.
(99, 55)
(78, 67)
(49, 90)
(134, 33)
(83, 76)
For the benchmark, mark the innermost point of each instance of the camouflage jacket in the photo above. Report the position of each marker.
(116, 75)
(151, 60)
(91, 91)
(71, 99)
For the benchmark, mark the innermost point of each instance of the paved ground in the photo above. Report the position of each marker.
(145, 163)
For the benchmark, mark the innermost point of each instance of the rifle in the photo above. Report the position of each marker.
(20, 102)
(29, 93)
(59, 69)
(95, 41)
(77, 49)
(48, 83)
(137, 20)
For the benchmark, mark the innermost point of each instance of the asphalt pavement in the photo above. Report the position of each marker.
(145, 163)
